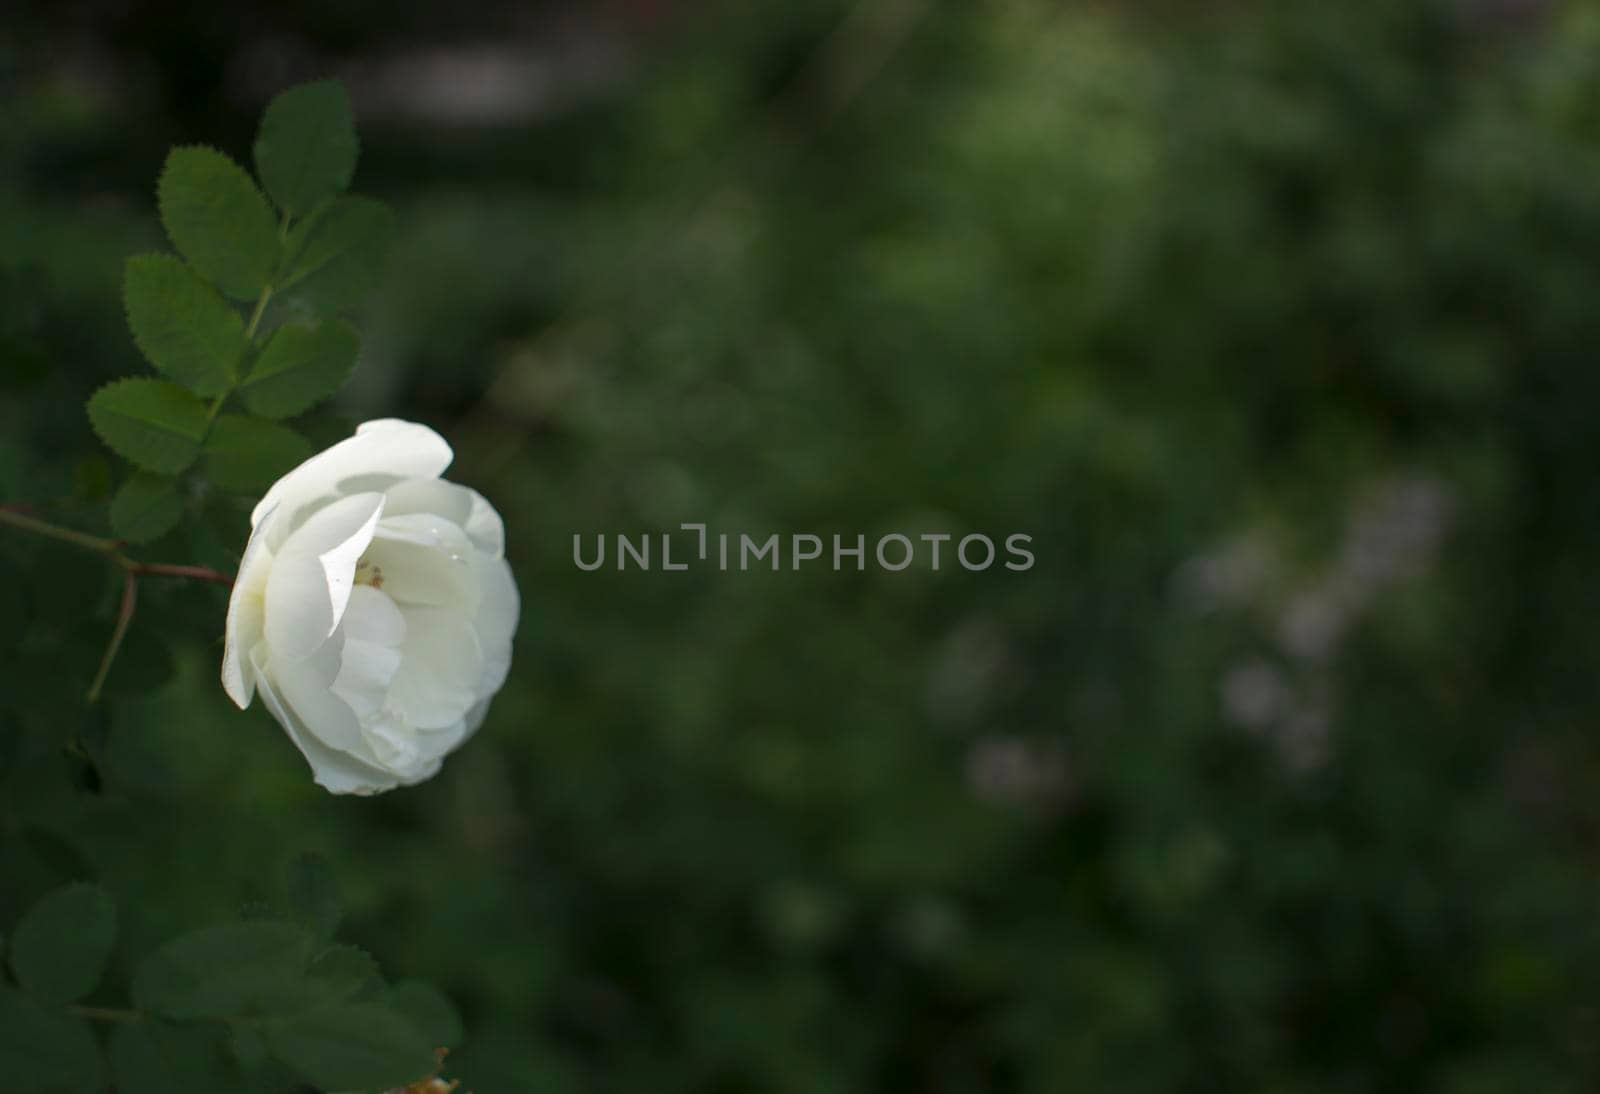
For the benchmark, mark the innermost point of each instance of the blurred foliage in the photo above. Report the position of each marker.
(1272, 322)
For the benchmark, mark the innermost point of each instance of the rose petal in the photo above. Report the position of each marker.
(499, 607)
(306, 685)
(336, 771)
(380, 454)
(373, 617)
(373, 632)
(439, 675)
(310, 583)
(463, 507)
(365, 672)
(247, 614)
(425, 559)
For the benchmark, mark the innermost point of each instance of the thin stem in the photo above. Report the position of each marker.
(112, 549)
(255, 316)
(55, 531)
(106, 1014)
(132, 570)
(130, 596)
(249, 336)
(167, 569)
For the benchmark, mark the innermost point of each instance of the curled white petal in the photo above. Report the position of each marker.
(314, 571)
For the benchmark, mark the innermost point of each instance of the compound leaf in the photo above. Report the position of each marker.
(152, 423)
(244, 453)
(306, 149)
(218, 220)
(183, 326)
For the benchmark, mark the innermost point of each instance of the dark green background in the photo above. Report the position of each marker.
(1273, 322)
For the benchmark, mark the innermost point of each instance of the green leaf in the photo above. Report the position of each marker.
(154, 1058)
(182, 325)
(242, 969)
(354, 1046)
(151, 423)
(341, 972)
(60, 946)
(46, 1051)
(303, 364)
(218, 220)
(314, 894)
(306, 150)
(427, 1008)
(337, 253)
(251, 454)
(147, 507)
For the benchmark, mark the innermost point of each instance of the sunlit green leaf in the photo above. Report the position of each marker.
(218, 220)
(306, 150)
(337, 252)
(244, 453)
(304, 363)
(152, 423)
(183, 326)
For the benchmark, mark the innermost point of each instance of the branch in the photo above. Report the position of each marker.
(130, 597)
(194, 573)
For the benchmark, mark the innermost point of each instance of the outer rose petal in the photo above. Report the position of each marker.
(247, 614)
(496, 622)
(336, 771)
(381, 453)
(306, 687)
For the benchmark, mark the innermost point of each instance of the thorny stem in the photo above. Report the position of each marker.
(132, 570)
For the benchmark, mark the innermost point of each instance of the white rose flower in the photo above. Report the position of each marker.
(373, 609)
